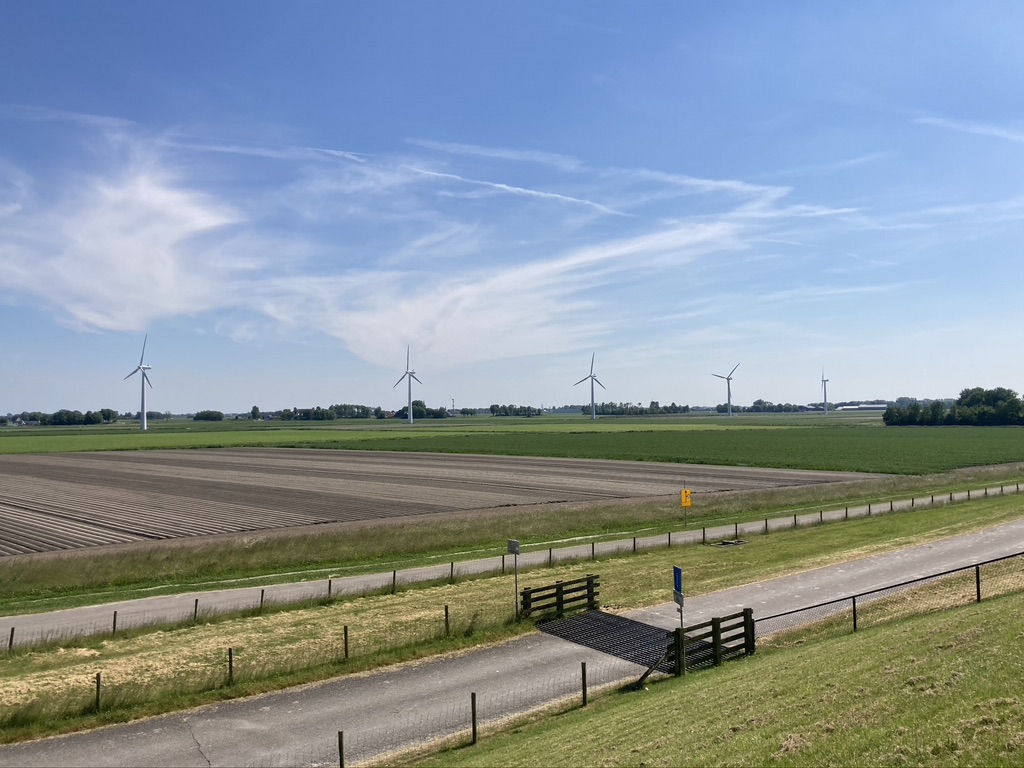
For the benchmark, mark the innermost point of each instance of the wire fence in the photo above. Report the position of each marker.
(938, 592)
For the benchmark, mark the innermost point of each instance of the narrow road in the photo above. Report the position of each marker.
(100, 619)
(411, 704)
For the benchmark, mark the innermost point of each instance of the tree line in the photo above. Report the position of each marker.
(634, 409)
(975, 407)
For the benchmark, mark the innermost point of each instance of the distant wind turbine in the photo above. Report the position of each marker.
(728, 385)
(824, 390)
(142, 367)
(409, 374)
(593, 378)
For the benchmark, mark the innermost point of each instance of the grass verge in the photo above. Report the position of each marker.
(46, 691)
(936, 690)
(38, 583)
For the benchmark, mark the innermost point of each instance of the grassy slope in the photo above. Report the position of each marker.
(936, 690)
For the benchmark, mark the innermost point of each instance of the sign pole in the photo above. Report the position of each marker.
(513, 549)
(677, 594)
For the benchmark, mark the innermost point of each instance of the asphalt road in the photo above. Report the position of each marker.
(411, 704)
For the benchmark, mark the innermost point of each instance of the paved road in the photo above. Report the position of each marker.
(99, 619)
(411, 704)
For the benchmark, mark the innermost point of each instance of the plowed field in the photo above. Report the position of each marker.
(67, 501)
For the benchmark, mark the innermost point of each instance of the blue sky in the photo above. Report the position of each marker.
(285, 196)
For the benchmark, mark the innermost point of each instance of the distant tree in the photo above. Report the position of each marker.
(468, 411)
(254, 414)
(208, 416)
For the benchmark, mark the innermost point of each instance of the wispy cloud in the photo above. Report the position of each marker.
(523, 191)
(978, 129)
(561, 162)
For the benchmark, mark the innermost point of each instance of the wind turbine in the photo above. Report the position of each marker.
(824, 391)
(728, 385)
(593, 378)
(409, 374)
(142, 367)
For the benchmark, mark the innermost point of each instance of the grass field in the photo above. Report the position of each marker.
(842, 442)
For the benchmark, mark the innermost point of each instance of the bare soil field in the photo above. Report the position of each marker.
(59, 502)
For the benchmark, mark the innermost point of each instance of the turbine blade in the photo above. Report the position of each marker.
(592, 356)
(131, 374)
(581, 380)
(414, 376)
(145, 378)
(408, 357)
(599, 382)
(718, 376)
(733, 370)
(400, 380)
(143, 355)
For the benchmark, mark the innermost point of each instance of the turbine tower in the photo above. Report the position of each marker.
(593, 378)
(728, 385)
(409, 374)
(824, 391)
(142, 367)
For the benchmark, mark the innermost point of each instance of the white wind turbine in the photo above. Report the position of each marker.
(409, 374)
(824, 391)
(142, 367)
(728, 385)
(593, 378)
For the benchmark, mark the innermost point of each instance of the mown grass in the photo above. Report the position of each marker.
(936, 690)
(48, 582)
(47, 690)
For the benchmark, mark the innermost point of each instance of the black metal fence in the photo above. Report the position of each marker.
(937, 592)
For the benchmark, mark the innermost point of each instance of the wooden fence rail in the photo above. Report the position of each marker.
(712, 642)
(561, 596)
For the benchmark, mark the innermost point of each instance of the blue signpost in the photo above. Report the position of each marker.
(677, 595)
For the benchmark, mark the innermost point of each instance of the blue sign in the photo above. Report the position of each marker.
(677, 578)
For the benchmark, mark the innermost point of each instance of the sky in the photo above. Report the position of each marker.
(286, 199)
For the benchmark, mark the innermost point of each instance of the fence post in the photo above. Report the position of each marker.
(869, 509)
(394, 581)
(670, 539)
(231, 666)
(527, 602)
(890, 505)
(854, 613)
(977, 581)
(968, 494)
(821, 515)
(263, 593)
(99, 688)
(346, 642)
(502, 565)
(749, 638)
(113, 631)
(703, 535)
(583, 673)
(911, 502)
(679, 640)
(846, 514)
(330, 583)
(735, 530)
(634, 545)
(716, 639)
(550, 557)
(593, 548)
(447, 626)
(10, 643)
(451, 573)
(559, 599)
(591, 602)
(195, 611)
(341, 749)
(766, 526)
(794, 521)
(472, 706)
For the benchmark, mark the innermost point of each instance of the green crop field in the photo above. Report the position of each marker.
(853, 443)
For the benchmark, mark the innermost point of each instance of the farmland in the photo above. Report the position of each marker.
(843, 442)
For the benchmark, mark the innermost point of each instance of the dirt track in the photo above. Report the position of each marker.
(68, 501)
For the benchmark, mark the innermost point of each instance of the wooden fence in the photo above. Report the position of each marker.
(560, 597)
